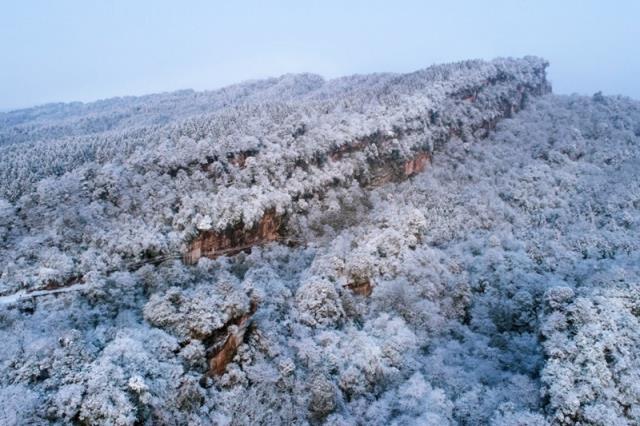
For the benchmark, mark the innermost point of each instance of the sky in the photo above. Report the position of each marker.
(78, 50)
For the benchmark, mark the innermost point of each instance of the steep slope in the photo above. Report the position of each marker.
(496, 286)
(223, 173)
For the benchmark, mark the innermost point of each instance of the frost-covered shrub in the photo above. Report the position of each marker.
(592, 370)
(128, 382)
(197, 313)
(318, 303)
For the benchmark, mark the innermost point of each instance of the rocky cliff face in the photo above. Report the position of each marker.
(231, 241)
(392, 154)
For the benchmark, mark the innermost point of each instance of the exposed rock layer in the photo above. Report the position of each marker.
(219, 355)
(471, 111)
(236, 239)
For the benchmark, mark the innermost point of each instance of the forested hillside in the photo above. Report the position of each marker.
(451, 246)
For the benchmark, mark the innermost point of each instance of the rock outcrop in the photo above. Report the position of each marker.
(452, 103)
(235, 239)
(223, 345)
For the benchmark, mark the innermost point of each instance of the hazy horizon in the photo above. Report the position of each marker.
(70, 51)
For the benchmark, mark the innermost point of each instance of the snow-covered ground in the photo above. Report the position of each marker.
(499, 286)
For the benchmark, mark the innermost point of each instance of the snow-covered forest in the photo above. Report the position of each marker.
(451, 246)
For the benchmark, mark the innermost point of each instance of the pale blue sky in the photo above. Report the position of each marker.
(66, 50)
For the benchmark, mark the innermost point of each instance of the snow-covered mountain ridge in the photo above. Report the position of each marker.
(451, 246)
